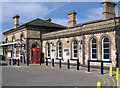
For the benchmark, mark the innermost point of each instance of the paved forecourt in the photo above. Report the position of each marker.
(36, 75)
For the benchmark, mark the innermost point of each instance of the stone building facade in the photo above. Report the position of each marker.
(95, 40)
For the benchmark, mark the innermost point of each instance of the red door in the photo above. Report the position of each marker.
(36, 56)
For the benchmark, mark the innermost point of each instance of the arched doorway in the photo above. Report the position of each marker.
(33, 46)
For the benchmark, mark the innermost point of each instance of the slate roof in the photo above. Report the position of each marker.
(40, 22)
(91, 22)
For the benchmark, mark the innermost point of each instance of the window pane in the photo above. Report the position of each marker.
(106, 50)
(75, 47)
(75, 42)
(94, 55)
(106, 45)
(48, 54)
(93, 40)
(106, 56)
(60, 47)
(94, 51)
(48, 49)
(48, 44)
(75, 51)
(60, 55)
(93, 45)
(59, 43)
(75, 55)
(60, 51)
(106, 39)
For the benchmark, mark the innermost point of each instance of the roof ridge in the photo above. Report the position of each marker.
(51, 22)
(55, 23)
(46, 22)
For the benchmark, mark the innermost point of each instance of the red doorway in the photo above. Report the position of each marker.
(36, 55)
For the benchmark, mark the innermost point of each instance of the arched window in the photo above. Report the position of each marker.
(93, 48)
(22, 37)
(105, 48)
(6, 40)
(74, 49)
(48, 50)
(59, 50)
(13, 39)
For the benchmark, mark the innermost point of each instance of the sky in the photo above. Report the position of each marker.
(57, 11)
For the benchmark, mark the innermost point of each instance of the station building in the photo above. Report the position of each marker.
(94, 40)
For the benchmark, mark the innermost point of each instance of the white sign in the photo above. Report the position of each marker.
(14, 52)
(53, 55)
(9, 54)
(66, 54)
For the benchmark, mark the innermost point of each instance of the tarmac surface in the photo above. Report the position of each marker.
(42, 75)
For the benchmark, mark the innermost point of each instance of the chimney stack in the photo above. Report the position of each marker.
(49, 19)
(72, 18)
(16, 20)
(108, 9)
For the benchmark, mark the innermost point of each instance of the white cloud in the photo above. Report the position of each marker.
(91, 15)
(116, 11)
(55, 0)
(27, 11)
(61, 21)
(94, 14)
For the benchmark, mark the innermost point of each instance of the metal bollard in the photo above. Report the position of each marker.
(24, 60)
(118, 81)
(10, 61)
(13, 61)
(27, 62)
(46, 62)
(88, 66)
(110, 74)
(40, 61)
(99, 85)
(68, 63)
(52, 62)
(18, 62)
(21, 59)
(76, 87)
(101, 67)
(60, 63)
(117, 72)
(77, 64)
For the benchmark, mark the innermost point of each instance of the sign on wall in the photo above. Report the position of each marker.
(9, 54)
(53, 54)
(14, 52)
(66, 54)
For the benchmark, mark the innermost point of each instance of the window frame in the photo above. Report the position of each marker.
(105, 48)
(47, 50)
(13, 39)
(93, 48)
(73, 57)
(59, 49)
